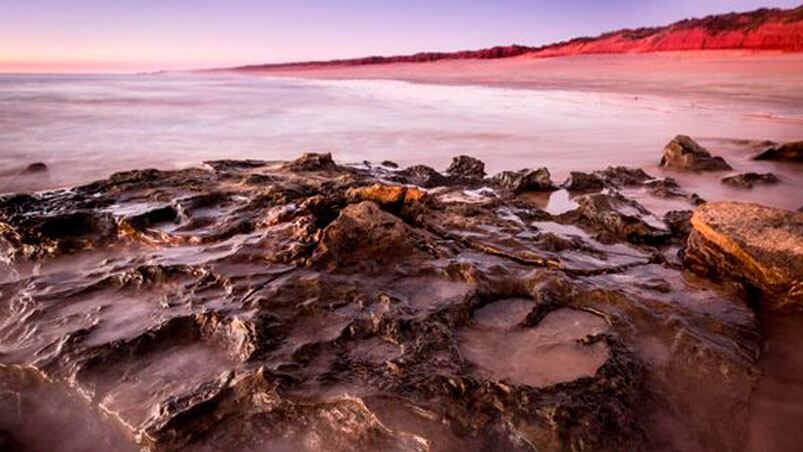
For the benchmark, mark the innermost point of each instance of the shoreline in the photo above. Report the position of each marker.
(304, 288)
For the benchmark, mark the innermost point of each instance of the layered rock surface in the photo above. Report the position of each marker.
(306, 305)
(759, 244)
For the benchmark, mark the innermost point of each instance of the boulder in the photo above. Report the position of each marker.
(789, 152)
(524, 180)
(747, 180)
(466, 168)
(684, 154)
(749, 242)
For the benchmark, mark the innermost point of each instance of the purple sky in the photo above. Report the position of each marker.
(130, 35)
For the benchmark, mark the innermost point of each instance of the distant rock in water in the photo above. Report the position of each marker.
(684, 154)
(749, 242)
(35, 168)
(787, 152)
(747, 180)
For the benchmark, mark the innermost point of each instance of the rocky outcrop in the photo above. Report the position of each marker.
(684, 154)
(762, 246)
(747, 180)
(311, 306)
(787, 152)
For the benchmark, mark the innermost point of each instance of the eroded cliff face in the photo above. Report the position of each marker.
(749, 31)
(306, 305)
(763, 29)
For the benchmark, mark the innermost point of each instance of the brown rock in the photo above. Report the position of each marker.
(747, 180)
(312, 162)
(524, 180)
(466, 168)
(35, 168)
(762, 245)
(683, 153)
(387, 196)
(790, 152)
(366, 238)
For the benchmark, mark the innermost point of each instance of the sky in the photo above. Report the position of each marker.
(149, 35)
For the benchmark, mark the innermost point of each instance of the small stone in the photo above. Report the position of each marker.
(465, 167)
(312, 162)
(524, 180)
(579, 181)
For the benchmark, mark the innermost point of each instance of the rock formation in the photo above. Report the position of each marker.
(684, 154)
(748, 242)
(305, 305)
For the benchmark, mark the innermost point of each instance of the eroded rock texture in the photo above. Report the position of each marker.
(759, 244)
(305, 305)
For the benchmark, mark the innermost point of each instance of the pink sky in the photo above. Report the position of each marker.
(149, 35)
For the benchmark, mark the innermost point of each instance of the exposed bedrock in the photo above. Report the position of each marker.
(306, 305)
(684, 154)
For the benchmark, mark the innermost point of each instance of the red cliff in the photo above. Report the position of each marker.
(763, 29)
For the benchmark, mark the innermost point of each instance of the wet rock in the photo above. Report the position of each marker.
(747, 180)
(466, 168)
(62, 233)
(390, 197)
(313, 162)
(622, 176)
(35, 168)
(679, 221)
(578, 181)
(524, 181)
(234, 165)
(665, 187)
(390, 164)
(684, 154)
(761, 245)
(366, 238)
(787, 152)
(334, 310)
(617, 218)
(422, 176)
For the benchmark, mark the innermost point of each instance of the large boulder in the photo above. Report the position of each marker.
(684, 154)
(749, 242)
(791, 152)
